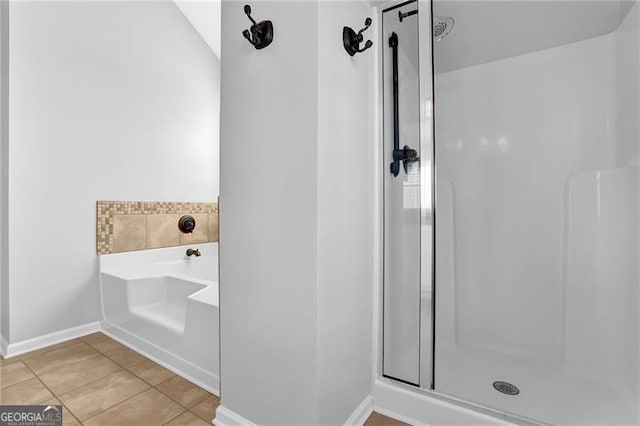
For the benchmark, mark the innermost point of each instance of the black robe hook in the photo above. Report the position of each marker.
(260, 35)
(352, 40)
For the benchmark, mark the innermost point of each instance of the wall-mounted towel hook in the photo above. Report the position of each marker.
(260, 35)
(352, 40)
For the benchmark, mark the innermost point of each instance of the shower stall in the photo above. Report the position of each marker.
(511, 190)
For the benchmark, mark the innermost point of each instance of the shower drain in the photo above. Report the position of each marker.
(506, 388)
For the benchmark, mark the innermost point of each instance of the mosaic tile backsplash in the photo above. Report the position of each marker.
(140, 225)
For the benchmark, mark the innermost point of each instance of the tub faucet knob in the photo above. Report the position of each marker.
(192, 252)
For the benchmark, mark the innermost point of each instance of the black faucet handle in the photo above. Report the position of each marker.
(193, 252)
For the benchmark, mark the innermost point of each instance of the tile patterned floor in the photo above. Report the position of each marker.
(101, 382)
(98, 382)
(376, 419)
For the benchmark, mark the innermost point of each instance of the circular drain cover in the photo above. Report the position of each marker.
(506, 388)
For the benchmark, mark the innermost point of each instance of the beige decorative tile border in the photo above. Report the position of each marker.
(139, 225)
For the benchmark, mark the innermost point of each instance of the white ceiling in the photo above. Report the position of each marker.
(486, 31)
(204, 16)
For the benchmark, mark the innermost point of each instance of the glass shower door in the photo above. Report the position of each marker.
(407, 225)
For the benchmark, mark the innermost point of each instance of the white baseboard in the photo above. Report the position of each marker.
(226, 417)
(361, 413)
(8, 350)
(3, 347)
(24, 346)
(421, 410)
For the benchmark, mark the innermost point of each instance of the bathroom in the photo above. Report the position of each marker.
(437, 227)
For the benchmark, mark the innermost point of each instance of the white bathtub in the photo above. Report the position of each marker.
(164, 305)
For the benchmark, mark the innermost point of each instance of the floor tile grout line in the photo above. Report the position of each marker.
(66, 365)
(214, 410)
(23, 359)
(131, 397)
(173, 418)
(55, 395)
(99, 343)
(114, 405)
(21, 381)
(165, 380)
(49, 348)
(121, 368)
(93, 381)
(178, 402)
(106, 353)
(200, 417)
(141, 378)
(51, 392)
(101, 378)
(69, 362)
(58, 397)
(121, 365)
(139, 362)
(145, 359)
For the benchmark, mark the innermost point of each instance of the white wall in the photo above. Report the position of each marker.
(345, 213)
(109, 100)
(268, 216)
(4, 170)
(205, 18)
(295, 258)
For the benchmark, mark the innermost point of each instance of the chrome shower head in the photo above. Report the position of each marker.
(442, 25)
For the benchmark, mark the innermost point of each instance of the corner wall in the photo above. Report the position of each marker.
(295, 205)
(345, 213)
(109, 100)
(268, 215)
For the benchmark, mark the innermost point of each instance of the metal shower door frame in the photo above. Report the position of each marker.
(427, 186)
(428, 190)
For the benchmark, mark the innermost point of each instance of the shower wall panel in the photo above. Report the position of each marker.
(627, 88)
(505, 151)
(537, 231)
(628, 151)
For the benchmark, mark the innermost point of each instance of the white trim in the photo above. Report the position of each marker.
(226, 417)
(377, 207)
(361, 413)
(421, 409)
(39, 342)
(3, 347)
(8, 350)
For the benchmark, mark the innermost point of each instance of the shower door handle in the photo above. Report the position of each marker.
(406, 154)
(395, 164)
